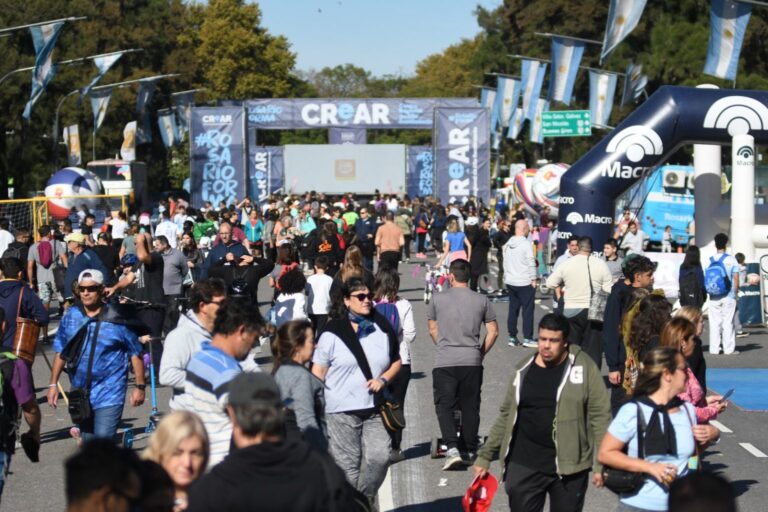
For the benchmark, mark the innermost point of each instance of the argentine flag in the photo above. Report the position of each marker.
(536, 133)
(727, 24)
(44, 38)
(602, 87)
(488, 100)
(515, 123)
(169, 131)
(507, 98)
(634, 84)
(623, 16)
(183, 102)
(566, 57)
(104, 63)
(99, 103)
(532, 78)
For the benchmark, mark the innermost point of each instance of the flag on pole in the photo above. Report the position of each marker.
(143, 99)
(515, 123)
(104, 64)
(566, 57)
(166, 121)
(532, 78)
(728, 21)
(634, 84)
(623, 17)
(128, 149)
(536, 133)
(99, 103)
(184, 102)
(507, 98)
(602, 87)
(44, 38)
(72, 139)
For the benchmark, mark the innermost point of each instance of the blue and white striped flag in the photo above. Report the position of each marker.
(44, 38)
(143, 99)
(183, 103)
(488, 100)
(507, 98)
(536, 133)
(727, 24)
(602, 87)
(104, 64)
(623, 16)
(515, 123)
(634, 84)
(566, 57)
(532, 78)
(169, 131)
(99, 103)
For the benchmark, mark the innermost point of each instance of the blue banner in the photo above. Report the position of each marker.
(382, 113)
(420, 176)
(728, 21)
(347, 136)
(143, 99)
(750, 309)
(265, 171)
(462, 154)
(183, 103)
(217, 155)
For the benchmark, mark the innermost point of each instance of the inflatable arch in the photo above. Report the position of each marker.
(671, 117)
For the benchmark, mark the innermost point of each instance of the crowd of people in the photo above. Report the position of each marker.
(179, 298)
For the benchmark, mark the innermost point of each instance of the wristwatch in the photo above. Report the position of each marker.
(141, 386)
(384, 380)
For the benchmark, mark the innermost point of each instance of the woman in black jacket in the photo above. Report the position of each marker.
(480, 238)
(691, 279)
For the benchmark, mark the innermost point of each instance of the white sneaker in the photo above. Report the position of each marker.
(530, 343)
(452, 459)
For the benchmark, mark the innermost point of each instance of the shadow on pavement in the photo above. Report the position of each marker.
(417, 450)
(440, 505)
(742, 486)
(418, 375)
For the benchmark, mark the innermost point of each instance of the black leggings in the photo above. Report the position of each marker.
(398, 387)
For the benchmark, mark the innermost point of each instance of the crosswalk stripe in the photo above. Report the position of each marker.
(719, 426)
(754, 451)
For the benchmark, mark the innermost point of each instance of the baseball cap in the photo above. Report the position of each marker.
(75, 237)
(471, 221)
(91, 274)
(480, 493)
(253, 388)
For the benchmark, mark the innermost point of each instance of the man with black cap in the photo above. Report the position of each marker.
(266, 470)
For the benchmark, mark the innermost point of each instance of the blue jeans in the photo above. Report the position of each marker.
(5, 463)
(521, 297)
(103, 424)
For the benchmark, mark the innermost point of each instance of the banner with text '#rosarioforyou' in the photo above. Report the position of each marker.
(265, 171)
(462, 154)
(217, 155)
(420, 177)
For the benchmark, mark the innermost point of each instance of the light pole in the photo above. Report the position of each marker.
(4, 31)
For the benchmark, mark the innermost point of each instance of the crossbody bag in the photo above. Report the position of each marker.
(628, 482)
(80, 398)
(597, 300)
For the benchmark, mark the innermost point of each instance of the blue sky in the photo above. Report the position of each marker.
(382, 36)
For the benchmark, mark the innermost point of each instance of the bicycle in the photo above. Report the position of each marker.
(436, 278)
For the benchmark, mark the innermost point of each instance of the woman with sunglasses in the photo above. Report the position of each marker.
(357, 356)
(670, 435)
(679, 334)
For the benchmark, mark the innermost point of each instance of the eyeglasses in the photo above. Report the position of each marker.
(91, 289)
(216, 301)
(225, 232)
(362, 296)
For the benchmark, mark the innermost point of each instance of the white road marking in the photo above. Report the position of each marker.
(386, 503)
(545, 308)
(719, 426)
(754, 451)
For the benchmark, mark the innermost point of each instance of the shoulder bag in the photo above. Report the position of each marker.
(79, 398)
(628, 482)
(597, 300)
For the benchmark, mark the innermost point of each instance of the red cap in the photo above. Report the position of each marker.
(480, 493)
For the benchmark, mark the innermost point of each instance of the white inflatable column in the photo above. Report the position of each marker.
(707, 166)
(743, 195)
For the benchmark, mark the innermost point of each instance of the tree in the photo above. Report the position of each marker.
(453, 73)
(343, 81)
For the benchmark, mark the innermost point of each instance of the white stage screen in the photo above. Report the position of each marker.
(340, 168)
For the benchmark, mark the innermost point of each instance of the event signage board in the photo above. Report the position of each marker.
(566, 123)
(381, 113)
(462, 154)
(217, 155)
(420, 180)
(347, 135)
(265, 171)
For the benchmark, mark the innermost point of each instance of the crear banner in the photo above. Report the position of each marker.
(217, 155)
(462, 149)
(385, 113)
(671, 117)
(347, 136)
(420, 177)
(265, 171)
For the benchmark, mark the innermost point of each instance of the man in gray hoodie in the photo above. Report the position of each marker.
(520, 278)
(193, 328)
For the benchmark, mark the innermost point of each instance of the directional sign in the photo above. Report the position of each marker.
(566, 123)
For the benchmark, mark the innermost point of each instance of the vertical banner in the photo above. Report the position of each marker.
(99, 103)
(634, 84)
(217, 155)
(515, 123)
(72, 139)
(44, 38)
(184, 101)
(347, 136)
(728, 21)
(536, 134)
(420, 177)
(532, 77)
(128, 149)
(566, 57)
(143, 99)
(169, 132)
(623, 16)
(750, 303)
(265, 171)
(462, 154)
(602, 87)
(507, 98)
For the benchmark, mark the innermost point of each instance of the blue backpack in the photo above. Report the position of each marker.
(389, 311)
(716, 280)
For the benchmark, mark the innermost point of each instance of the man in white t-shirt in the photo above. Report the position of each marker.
(722, 307)
(168, 229)
(319, 292)
(634, 240)
(6, 237)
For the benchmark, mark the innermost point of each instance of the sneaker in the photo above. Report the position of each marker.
(513, 341)
(469, 458)
(396, 456)
(742, 334)
(31, 447)
(731, 353)
(528, 343)
(452, 459)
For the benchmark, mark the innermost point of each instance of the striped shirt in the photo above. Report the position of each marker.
(206, 393)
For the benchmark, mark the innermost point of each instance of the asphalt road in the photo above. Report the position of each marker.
(418, 484)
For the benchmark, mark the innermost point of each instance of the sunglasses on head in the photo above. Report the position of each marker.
(362, 296)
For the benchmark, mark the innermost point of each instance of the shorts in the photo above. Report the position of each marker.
(22, 383)
(46, 291)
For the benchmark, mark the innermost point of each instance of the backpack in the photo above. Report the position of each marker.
(690, 293)
(389, 311)
(716, 280)
(14, 251)
(9, 408)
(45, 253)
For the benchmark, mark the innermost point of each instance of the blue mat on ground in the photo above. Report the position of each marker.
(751, 386)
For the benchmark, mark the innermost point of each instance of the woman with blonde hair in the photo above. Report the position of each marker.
(696, 361)
(679, 334)
(180, 445)
(456, 244)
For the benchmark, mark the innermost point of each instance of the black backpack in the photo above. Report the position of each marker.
(15, 251)
(691, 292)
(9, 407)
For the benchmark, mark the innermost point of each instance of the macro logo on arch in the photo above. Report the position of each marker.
(588, 218)
(745, 152)
(737, 114)
(574, 218)
(636, 142)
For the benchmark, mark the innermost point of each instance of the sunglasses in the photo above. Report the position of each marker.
(94, 288)
(362, 296)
